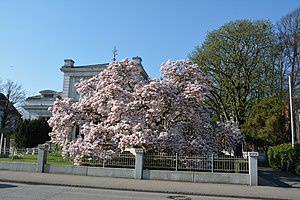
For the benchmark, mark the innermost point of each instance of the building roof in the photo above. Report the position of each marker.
(85, 68)
(43, 94)
(3, 103)
(70, 67)
(2, 96)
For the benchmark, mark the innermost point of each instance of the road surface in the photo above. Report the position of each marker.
(15, 191)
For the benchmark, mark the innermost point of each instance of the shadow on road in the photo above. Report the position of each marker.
(276, 178)
(3, 186)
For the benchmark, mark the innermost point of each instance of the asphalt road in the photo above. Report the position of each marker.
(13, 191)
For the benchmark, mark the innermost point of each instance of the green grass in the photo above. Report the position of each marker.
(52, 158)
(29, 158)
(57, 159)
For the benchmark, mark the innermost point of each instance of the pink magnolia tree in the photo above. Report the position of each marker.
(118, 108)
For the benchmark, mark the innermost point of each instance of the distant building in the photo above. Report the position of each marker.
(12, 114)
(37, 106)
(9, 117)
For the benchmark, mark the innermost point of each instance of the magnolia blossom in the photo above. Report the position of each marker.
(119, 108)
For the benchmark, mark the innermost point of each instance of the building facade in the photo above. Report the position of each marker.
(36, 107)
(9, 118)
(73, 74)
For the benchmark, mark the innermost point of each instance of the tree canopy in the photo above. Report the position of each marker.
(289, 40)
(31, 133)
(266, 123)
(238, 58)
(242, 58)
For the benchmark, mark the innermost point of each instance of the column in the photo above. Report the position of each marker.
(253, 168)
(42, 157)
(139, 157)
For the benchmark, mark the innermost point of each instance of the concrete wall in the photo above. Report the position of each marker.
(139, 172)
(198, 177)
(65, 169)
(111, 172)
(15, 166)
(89, 171)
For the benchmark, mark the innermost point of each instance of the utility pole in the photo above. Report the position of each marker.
(291, 110)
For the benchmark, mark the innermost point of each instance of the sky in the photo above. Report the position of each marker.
(37, 35)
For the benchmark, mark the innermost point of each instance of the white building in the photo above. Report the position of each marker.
(9, 118)
(37, 106)
(73, 74)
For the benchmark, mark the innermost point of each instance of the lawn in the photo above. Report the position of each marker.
(57, 159)
(29, 158)
(52, 158)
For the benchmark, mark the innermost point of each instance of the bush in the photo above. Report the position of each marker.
(297, 168)
(285, 158)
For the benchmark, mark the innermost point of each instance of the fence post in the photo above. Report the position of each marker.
(212, 163)
(42, 157)
(253, 168)
(4, 148)
(176, 162)
(104, 159)
(1, 142)
(139, 157)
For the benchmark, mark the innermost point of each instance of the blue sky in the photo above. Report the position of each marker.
(37, 35)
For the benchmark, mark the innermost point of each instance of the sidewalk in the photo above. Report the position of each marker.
(277, 178)
(222, 190)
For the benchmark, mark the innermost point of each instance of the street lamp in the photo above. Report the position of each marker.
(291, 110)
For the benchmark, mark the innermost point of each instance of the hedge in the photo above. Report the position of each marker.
(285, 158)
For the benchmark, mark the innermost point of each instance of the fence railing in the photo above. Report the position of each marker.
(120, 160)
(212, 163)
(137, 159)
(176, 162)
(19, 155)
(58, 159)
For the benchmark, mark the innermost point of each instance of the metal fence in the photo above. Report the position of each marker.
(212, 163)
(57, 158)
(19, 155)
(120, 160)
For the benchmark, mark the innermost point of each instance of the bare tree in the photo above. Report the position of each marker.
(12, 99)
(289, 40)
(13, 92)
(289, 36)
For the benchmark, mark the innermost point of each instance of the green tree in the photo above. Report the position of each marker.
(21, 134)
(265, 125)
(239, 58)
(32, 133)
